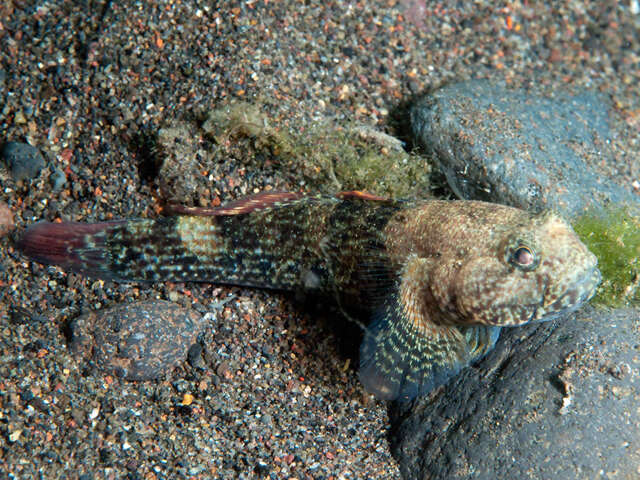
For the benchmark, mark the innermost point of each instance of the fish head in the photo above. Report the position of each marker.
(534, 270)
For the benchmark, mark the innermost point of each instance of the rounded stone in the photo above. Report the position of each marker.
(136, 341)
(23, 160)
(513, 147)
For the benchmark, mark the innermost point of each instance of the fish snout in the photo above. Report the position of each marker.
(579, 290)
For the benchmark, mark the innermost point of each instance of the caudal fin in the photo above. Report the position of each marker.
(167, 249)
(79, 247)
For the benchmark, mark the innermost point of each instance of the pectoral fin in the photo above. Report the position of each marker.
(406, 352)
(400, 360)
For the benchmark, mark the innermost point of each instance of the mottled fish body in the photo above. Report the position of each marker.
(437, 279)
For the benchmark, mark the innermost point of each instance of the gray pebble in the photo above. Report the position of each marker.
(516, 148)
(194, 356)
(137, 341)
(58, 179)
(23, 160)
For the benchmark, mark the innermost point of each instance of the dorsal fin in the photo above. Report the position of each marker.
(260, 201)
(361, 195)
(248, 204)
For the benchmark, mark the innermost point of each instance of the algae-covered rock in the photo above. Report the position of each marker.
(327, 156)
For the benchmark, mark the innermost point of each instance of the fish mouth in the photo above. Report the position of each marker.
(576, 295)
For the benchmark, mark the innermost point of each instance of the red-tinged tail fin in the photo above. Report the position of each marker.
(179, 248)
(79, 247)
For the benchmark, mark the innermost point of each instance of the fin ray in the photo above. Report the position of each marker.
(244, 205)
(399, 362)
(63, 243)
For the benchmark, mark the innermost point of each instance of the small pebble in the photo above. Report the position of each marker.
(194, 356)
(6, 219)
(15, 435)
(137, 341)
(224, 371)
(19, 118)
(58, 179)
(23, 160)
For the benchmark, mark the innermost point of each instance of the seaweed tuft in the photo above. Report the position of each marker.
(613, 235)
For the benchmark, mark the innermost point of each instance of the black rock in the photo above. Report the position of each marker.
(23, 161)
(553, 400)
(194, 356)
(516, 148)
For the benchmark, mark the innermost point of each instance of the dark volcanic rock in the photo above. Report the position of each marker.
(137, 341)
(512, 147)
(23, 160)
(553, 400)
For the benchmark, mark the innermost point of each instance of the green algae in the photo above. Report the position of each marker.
(613, 235)
(324, 156)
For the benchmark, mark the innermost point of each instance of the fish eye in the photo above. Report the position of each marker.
(524, 257)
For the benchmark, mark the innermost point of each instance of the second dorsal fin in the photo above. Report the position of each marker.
(360, 195)
(248, 204)
(260, 201)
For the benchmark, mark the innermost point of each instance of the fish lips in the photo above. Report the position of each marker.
(575, 296)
